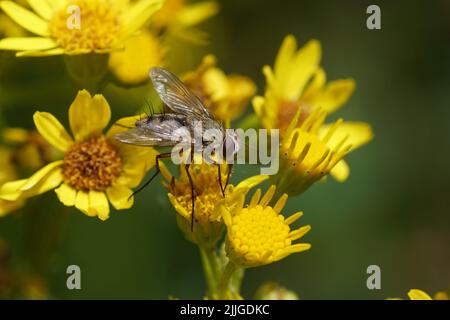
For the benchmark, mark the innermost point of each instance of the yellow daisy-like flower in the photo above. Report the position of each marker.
(103, 25)
(208, 224)
(295, 82)
(7, 173)
(258, 234)
(313, 150)
(94, 169)
(142, 52)
(179, 18)
(225, 95)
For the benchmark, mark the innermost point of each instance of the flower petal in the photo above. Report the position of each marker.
(27, 44)
(119, 196)
(251, 182)
(416, 294)
(197, 12)
(138, 14)
(340, 171)
(25, 18)
(52, 130)
(42, 8)
(334, 95)
(66, 194)
(40, 174)
(46, 53)
(82, 203)
(355, 133)
(11, 190)
(88, 116)
(98, 204)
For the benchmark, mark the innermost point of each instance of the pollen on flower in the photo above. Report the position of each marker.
(92, 164)
(258, 232)
(99, 26)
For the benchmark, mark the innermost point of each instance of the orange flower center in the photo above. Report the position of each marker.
(92, 164)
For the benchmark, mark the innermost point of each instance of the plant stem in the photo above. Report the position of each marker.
(225, 280)
(210, 267)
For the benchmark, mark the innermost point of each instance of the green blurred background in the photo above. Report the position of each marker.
(394, 211)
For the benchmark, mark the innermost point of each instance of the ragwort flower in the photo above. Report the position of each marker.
(310, 152)
(208, 223)
(104, 25)
(258, 234)
(94, 169)
(297, 81)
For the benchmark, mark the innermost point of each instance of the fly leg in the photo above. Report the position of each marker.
(220, 180)
(157, 158)
(186, 166)
(230, 168)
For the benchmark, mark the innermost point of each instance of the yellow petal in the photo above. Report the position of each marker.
(11, 190)
(136, 16)
(42, 8)
(46, 53)
(302, 69)
(251, 182)
(355, 133)
(82, 203)
(334, 95)
(119, 197)
(98, 204)
(27, 44)
(52, 130)
(317, 83)
(340, 171)
(25, 18)
(66, 194)
(416, 294)
(88, 116)
(40, 174)
(197, 12)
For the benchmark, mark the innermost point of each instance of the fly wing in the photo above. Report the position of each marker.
(156, 131)
(176, 95)
(142, 137)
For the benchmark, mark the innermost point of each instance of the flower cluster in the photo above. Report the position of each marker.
(112, 41)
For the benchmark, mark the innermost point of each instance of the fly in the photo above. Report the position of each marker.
(187, 109)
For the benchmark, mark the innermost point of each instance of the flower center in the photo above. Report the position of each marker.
(207, 189)
(92, 26)
(92, 164)
(257, 230)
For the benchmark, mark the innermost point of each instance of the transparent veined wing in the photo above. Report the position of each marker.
(176, 95)
(161, 130)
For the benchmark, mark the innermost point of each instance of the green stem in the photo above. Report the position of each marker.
(210, 267)
(225, 280)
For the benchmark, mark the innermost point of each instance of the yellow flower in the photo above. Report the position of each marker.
(7, 173)
(94, 169)
(178, 18)
(225, 95)
(104, 25)
(208, 224)
(258, 234)
(297, 81)
(143, 51)
(313, 150)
